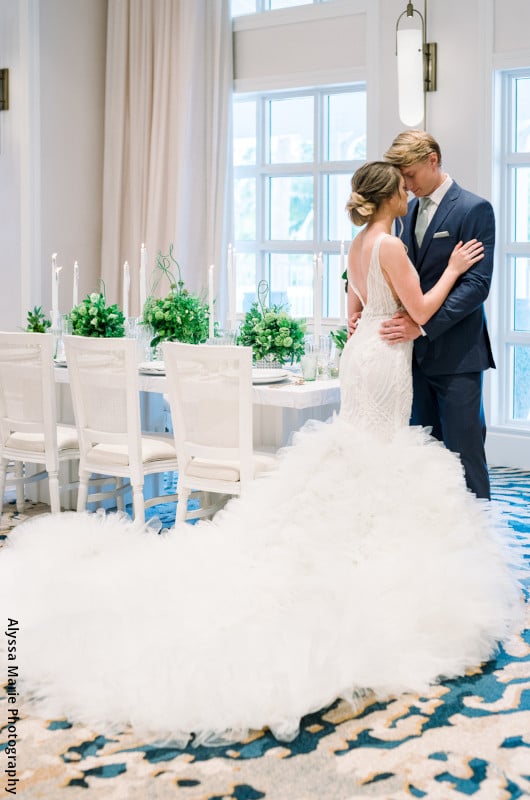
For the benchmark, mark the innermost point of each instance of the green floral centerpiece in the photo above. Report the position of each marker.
(179, 316)
(36, 321)
(340, 337)
(93, 317)
(271, 332)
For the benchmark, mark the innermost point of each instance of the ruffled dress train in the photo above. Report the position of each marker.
(361, 564)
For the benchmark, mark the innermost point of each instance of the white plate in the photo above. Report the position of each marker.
(60, 362)
(152, 368)
(268, 375)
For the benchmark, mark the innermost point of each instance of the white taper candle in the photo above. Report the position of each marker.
(55, 298)
(210, 300)
(143, 277)
(317, 297)
(231, 286)
(54, 288)
(126, 288)
(75, 285)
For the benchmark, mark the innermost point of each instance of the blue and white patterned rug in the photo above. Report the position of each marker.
(467, 738)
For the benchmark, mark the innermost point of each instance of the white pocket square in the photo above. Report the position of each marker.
(440, 234)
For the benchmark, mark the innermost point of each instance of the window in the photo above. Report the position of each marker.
(514, 253)
(294, 155)
(240, 7)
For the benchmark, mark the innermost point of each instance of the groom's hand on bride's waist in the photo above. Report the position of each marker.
(400, 328)
(353, 321)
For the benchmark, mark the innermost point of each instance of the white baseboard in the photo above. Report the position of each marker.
(504, 449)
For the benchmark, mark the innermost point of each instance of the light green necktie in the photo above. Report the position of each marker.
(422, 220)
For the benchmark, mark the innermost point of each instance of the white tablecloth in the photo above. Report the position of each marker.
(279, 408)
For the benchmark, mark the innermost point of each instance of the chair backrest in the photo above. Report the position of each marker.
(105, 392)
(210, 393)
(27, 387)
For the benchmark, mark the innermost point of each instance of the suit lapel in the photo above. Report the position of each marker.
(437, 222)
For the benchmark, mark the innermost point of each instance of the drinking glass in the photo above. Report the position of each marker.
(309, 366)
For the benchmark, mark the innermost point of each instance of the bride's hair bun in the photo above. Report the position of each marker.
(371, 184)
(359, 208)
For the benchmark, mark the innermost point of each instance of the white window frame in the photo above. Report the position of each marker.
(507, 251)
(263, 7)
(319, 168)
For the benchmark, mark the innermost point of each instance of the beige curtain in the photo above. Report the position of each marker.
(167, 129)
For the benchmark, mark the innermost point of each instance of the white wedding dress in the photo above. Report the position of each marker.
(361, 564)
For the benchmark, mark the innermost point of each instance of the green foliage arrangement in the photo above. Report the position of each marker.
(37, 322)
(340, 337)
(271, 332)
(179, 316)
(93, 317)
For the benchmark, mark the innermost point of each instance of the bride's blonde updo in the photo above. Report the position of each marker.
(371, 184)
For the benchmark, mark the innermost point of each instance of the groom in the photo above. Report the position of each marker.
(452, 349)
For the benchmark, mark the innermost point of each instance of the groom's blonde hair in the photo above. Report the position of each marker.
(410, 147)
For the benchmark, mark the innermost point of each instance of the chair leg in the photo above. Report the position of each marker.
(138, 503)
(19, 475)
(120, 503)
(82, 492)
(182, 504)
(3, 468)
(53, 486)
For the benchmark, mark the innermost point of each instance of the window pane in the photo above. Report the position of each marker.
(239, 7)
(288, 3)
(521, 382)
(522, 204)
(291, 130)
(522, 295)
(244, 133)
(245, 208)
(522, 112)
(347, 126)
(339, 227)
(291, 208)
(291, 282)
(246, 281)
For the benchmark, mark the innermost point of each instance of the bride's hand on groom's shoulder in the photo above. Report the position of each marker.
(400, 328)
(465, 255)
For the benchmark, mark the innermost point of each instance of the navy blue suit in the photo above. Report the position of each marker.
(449, 361)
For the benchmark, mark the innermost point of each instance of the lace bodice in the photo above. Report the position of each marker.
(376, 381)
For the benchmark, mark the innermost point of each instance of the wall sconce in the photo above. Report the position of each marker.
(416, 62)
(4, 89)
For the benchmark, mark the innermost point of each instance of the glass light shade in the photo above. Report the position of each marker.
(410, 75)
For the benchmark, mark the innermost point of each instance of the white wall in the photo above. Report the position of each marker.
(72, 73)
(52, 137)
(300, 46)
(10, 125)
(51, 149)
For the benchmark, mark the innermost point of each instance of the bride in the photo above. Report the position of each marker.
(362, 564)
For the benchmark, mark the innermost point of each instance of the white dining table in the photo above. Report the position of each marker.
(279, 408)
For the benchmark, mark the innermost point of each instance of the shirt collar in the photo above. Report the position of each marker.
(439, 193)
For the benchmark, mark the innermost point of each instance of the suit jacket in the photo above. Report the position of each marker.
(457, 337)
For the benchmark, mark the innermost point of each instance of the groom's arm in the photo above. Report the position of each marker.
(400, 328)
(472, 288)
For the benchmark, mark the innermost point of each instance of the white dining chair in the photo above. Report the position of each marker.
(106, 401)
(29, 433)
(210, 397)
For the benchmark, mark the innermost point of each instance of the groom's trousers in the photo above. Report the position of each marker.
(452, 406)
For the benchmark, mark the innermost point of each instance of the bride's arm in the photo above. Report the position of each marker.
(404, 280)
(354, 305)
